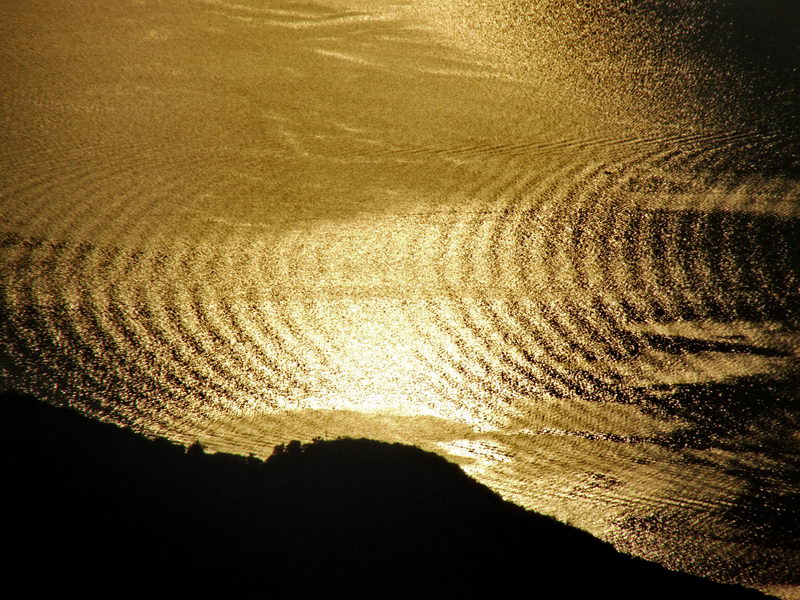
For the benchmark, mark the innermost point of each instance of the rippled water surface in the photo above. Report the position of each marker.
(554, 242)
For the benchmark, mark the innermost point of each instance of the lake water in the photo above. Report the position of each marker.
(554, 242)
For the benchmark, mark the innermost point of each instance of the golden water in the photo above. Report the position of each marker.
(507, 232)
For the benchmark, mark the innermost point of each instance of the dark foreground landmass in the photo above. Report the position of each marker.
(98, 511)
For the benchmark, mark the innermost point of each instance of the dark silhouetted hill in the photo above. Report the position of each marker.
(97, 511)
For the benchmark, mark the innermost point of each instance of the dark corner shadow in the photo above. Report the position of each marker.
(98, 510)
(740, 57)
(761, 42)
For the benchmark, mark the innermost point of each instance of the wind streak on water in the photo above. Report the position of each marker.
(250, 224)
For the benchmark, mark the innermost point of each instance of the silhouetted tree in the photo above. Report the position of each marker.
(294, 448)
(195, 450)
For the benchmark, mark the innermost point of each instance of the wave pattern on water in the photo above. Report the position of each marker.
(600, 322)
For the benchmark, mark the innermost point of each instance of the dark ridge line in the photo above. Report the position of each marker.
(95, 509)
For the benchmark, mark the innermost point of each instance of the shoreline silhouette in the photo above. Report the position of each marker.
(96, 509)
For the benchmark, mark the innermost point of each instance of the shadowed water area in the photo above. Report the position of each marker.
(554, 242)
